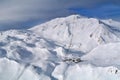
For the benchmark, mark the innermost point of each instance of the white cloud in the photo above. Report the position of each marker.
(12, 11)
(21, 10)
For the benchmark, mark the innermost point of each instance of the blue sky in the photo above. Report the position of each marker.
(23, 14)
(102, 12)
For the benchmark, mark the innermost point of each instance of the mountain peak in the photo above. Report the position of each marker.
(76, 16)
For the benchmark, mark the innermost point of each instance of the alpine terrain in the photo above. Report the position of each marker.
(68, 48)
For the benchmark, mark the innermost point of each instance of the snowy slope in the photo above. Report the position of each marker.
(25, 56)
(104, 55)
(41, 53)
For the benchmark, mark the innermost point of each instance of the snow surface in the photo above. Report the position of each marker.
(48, 51)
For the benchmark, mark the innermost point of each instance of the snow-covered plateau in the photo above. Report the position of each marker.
(68, 48)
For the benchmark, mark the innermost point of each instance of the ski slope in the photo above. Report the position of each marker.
(48, 51)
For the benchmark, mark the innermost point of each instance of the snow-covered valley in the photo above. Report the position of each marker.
(68, 48)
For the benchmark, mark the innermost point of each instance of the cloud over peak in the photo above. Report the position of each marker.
(18, 11)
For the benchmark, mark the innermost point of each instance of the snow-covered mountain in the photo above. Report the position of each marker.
(86, 33)
(68, 48)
